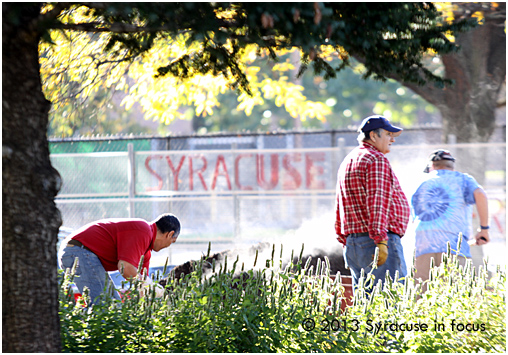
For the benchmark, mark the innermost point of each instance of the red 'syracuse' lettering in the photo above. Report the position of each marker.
(220, 161)
(237, 171)
(151, 171)
(260, 170)
(313, 171)
(297, 178)
(291, 176)
(175, 172)
(198, 172)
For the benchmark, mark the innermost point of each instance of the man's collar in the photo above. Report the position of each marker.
(154, 231)
(370, 146)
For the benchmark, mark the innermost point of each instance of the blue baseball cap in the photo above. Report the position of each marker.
(375, 122)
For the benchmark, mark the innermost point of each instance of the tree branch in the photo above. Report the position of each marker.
(118, 27)
(428, 92)
(96, 5)
(54, 13)
(113, 27)
(48, 17)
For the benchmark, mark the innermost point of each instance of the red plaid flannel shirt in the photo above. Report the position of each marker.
(369, 197)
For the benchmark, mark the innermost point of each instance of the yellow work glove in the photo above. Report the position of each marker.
(383, 252)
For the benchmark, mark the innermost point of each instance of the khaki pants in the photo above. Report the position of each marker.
(422, 264)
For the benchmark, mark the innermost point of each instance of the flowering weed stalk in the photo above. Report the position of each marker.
(295, 308)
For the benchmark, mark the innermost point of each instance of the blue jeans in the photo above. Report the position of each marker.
(89, 273)
(359, 252)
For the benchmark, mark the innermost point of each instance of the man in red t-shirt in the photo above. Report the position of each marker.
(115, 244)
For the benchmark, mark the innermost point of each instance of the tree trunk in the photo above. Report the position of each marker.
(479, 71)
(29, 185)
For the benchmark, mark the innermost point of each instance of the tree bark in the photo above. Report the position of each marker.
(468, 107)
(29, 185)
(479, 71)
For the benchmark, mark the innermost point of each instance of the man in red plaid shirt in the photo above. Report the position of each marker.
(372, 211)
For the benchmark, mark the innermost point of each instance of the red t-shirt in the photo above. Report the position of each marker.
(118, 239)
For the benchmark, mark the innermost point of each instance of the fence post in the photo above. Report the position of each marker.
(236, 200)
(341, 145)
(131, 178)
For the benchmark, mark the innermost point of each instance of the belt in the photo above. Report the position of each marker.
(354, 235)
(366, 234)
(78, 244)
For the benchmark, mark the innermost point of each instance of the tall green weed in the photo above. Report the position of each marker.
(294, 309)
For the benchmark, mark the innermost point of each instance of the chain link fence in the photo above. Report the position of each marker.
(236, 190)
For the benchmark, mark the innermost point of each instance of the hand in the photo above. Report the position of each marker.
(482, 237)
(147, 287)
(383, 252)
(159, 291)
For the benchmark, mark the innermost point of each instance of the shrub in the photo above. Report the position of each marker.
(272, 309)
(460, 312)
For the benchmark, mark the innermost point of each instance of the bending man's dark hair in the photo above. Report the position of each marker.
(168, 222)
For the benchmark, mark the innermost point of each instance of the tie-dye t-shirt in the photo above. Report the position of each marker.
(443, 208)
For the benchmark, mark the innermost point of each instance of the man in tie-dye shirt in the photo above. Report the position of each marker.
(442, 206)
